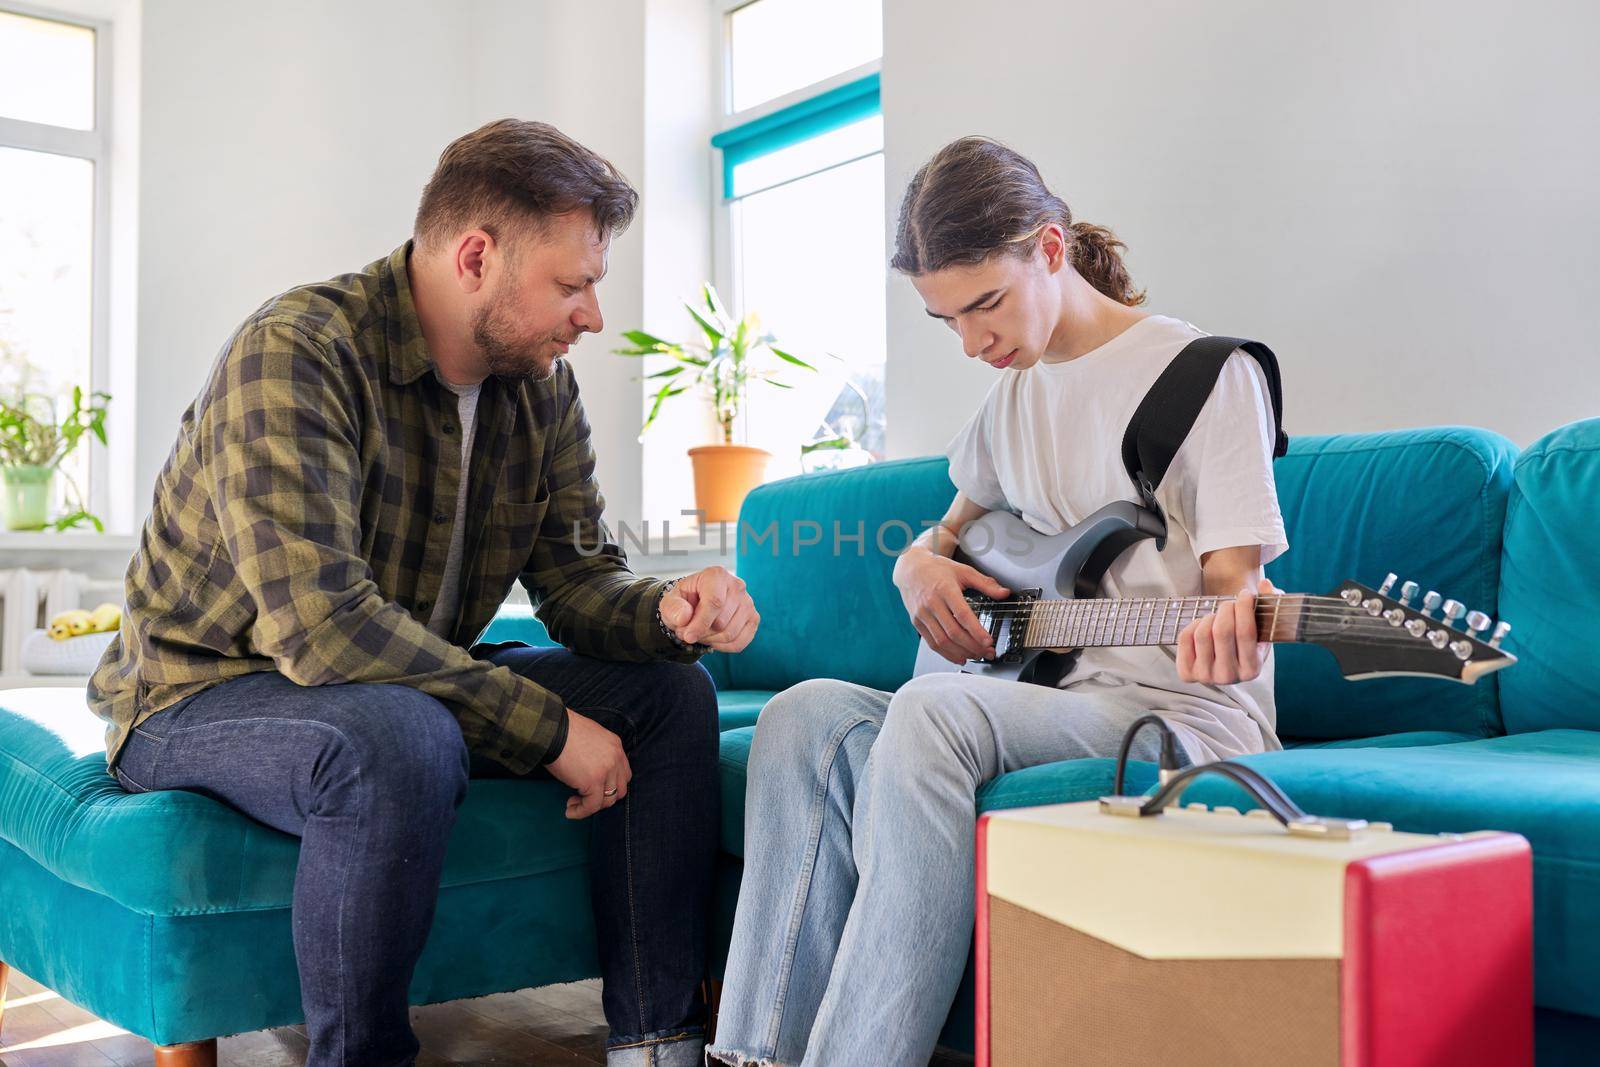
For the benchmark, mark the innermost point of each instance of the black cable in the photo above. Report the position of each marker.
(1169, 748)
(1260, 787)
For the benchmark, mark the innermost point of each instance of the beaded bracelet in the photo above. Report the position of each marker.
(674, 638)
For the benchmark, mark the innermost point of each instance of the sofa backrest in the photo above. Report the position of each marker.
(1428, 504)
(828, 607)
(1550, 583)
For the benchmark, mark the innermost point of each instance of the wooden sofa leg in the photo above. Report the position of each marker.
(5, 972)
(189, 1054)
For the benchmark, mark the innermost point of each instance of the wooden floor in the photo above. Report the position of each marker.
(537, 1027)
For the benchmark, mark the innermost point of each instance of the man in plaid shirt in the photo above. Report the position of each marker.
(373, 462)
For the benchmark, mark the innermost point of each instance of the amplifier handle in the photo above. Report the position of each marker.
(1259, 786)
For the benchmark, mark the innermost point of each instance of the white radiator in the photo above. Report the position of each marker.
(29, 599)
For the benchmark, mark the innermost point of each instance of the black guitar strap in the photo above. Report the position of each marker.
(1168, 411)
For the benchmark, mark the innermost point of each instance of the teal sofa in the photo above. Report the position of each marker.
(168, 913)
(1454, 508)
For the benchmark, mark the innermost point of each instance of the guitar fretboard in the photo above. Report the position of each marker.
(1133, 621)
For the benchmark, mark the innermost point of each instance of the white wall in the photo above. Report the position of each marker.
(282, 143)
(1399, 198)
(1396, 198)
(579, 66)
(289, 142)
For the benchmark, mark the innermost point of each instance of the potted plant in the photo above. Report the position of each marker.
(724, 365)
(32, 446)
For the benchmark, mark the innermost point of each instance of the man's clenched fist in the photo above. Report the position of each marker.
(711, 607)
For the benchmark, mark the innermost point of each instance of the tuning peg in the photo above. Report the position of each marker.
(1453, 610)
(1388, 584)
(1407, 591)
(1431, 602)
(1500, 632)
(1462, 649)
(1477, 620)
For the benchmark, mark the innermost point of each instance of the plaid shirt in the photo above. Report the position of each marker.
(302, 521)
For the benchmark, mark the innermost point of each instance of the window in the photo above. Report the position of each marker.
(800, 213)
(778, 46)
(54, 203)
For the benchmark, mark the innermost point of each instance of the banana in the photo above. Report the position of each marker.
(107, 617)
(71, 624)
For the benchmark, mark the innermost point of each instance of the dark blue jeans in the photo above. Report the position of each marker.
(369, 778)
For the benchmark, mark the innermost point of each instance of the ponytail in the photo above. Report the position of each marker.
(1097, 255)
(977, 198)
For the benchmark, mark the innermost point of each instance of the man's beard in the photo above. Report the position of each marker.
(508, 356)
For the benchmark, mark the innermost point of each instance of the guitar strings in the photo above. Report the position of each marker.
(1060, 605)
(1145, 608)
(1122, 622)
(1165, 619)
(1362, 628)
(1314, 616)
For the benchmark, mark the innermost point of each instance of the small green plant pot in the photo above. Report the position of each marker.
(27, 497)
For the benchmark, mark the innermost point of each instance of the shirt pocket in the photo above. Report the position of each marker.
(508, 541)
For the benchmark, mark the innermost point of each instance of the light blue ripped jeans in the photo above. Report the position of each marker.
(856, 910)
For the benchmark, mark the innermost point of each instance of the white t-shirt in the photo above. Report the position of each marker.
(1046, 444)
(444, 610)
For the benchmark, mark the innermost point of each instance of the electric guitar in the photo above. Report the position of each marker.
(1053, 610)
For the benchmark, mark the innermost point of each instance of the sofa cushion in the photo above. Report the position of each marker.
(1427, 504)
(733, 759)
(179, 853)
(1048, 783)
(1544, 785)
(1550, 583)
(188, 977)
(816, 553)
(1404, 740)
(738, 708)
(517, 622)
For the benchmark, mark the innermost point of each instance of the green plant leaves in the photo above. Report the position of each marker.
(76, 519)
(788, 358)
(26, 439)
(723, 366)
(713, 334)
(647, 341)
(667, 390)
(714, 302)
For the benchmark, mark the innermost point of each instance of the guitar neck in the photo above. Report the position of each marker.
(1134, 621)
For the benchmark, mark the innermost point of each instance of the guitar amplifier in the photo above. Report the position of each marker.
(1207, 937)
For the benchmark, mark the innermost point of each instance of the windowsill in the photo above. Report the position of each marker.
(99, 557)
(67, 541)
(43, 681)
(716, 538)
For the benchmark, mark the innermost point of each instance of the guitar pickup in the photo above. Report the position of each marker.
(1002, 625)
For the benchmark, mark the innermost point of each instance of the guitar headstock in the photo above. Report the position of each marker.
(1373, 634)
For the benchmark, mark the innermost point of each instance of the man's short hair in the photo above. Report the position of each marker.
(514, 173)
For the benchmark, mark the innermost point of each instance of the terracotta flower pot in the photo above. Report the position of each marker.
(723, 476)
